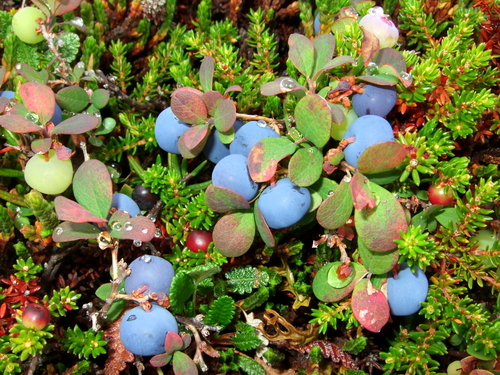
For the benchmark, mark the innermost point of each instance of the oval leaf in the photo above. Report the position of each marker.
(192, 141)
(67, 210)
(361, 194)
(376, 262)
(392, 57)
(207, 73)
(314, 119)
(72, 99)
(337, 61)
(210, 98)
(100, 98)
(183, 364)
(18, 124)
(302, 54)
(69, 231)
(38, 98)
(326, 293)
(370, 306)
(93, 188)
(225, 115)
(66, 6)
(324, 46)
(234, 233)
(337, 208)
(305, 166)
(125, 227)
(278, 87)
(173, 342)
(369, 46)
(189, 107)
(263, 228)
(30, 74)
(381, 157)
(41, 146)
(76, 125)
(264, 157)
(220, 199)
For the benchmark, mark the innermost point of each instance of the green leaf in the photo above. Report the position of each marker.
(381, 157)
(325, 292)
(202, 272)
(68, 231)
(250, 366)
(301, 53)
(377, 262)
(38, 98)
(18, 124)
(221, 312)
(305, 166)
(100, 98)
(447, 216)
(337, 61)
(337, 208)
(207, 73)
(72, 98)
(181, 290)
(370, 306)
(76, 125)
(221, 199)
(324, 187)
(183, 364)
(242, 280)
(324, 48)
(225, 115)
(262, 227)
(314, 119)
(361, 193)
(68, 210)
(30, 74)
(380, 79)
(280, 86)
(264, 157)
(246, 337)
(234, 233)
(189, 107)
(93, 188)
(333, 276)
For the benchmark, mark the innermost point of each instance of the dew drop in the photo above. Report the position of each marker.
(60, 42)
(152, 218)
(33, 117)
(158, 232)
(137, 243)
(18, 66)
(330, 193)
(58, 231)
(145, 258)
(176, 118)
(131, 318)
(80, 65)
(261, 123)
(376, 10)
(287, 84)
(97, 114)
(128, 226)
(349, 12)
(145, 230)
(371, 68)
(77, 21)
(406, 76)
(116, 226)
(310, 150)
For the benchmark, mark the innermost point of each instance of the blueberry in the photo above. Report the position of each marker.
(249, 134)
(231, 173)
(406, 292)
(7, 94)
(214, 149)
(168, 130)
(125, 203)
(284, 204)
(151, 273)
(368, 130)
(143, 333)
(375, 100)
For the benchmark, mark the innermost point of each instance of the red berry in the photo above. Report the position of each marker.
(199, 240)
(36, 316)
(437, 195)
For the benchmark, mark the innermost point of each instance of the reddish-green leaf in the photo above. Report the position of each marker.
(76, 125)
(225, 115)
(388, 69)
(66, 6)
(314, 119)
(380, 226)
(93, 188)
(360, 191)
(100, 98)
(264, 157)
(125, 227)
(380, 79)
(337, 208)
(41, 146)
(210, 98)
(38, 98)
(370, 306)
(160, 360)
(324, 48)
(69, 231)
(369, 46)
(68, 210)
(381, 157)
(263, 228)
(2, 75)
(173, 342)
(220, 199)
(207, 73)
(72, 98)
(30, 74)
(234, 233)
(233, 88)
(192, 141)
(305, 166)
(183, 364)
(325, 292)
(18, 124)
(337, 61)
(189, 107)
(301, 53)
(377, 262)
(334, 275)
(280, 86)
(392, 57)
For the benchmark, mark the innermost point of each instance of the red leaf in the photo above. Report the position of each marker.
(67, 6)
(67, 210)
(361, 194)
(18, 124)
(369, 46)
(39, 99)
(210, 98)
(76, 125)
(189, 107)
(173, 342)
(125, 227)
(370, 306)
(41, 146)
(220, 199)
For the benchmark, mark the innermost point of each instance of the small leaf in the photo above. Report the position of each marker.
(324, 48)
(173, 342)
(189, 107)
(192, 141)
(278, 87)
(104, 291)
(337, 208)
(314, 119)
(234, 233)
(76, 125)
(392, 57)
(225, 115)
(263, 228)
(100, 98)
(181, 290)
(381, 157)
(250, 366)
(66, 6)
(377, 262)
(18, 124)
(233, 88)
(301, 53)
(326, 293)
(337, 61)
(41, 146)
(67, 210)
(202, 272)
(160, 360)
(305, 166)
(183, 364)
(93, 188)
(388, 69)
(333, 276)
(369, 46)
(68, 231)
(264, 157)
(324, 187)
(30, 74)
(221, 312)
(210, 98)
(221, 199)
(124, 227)
(207, 73)
(370, 306)
(360, 191)
(380, 79)
(72, 98)
(38, 98)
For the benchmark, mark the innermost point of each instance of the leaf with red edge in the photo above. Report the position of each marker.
(187, 89)
(324, 46)
(263, 228)
(381, 157)
(76, 125)
(192, 141)
(207, 73)
(221, 199)
(337, 208)
(380, 226)
(125, 227)
(325, 292)
(302, 54)
(276, 87)
(38, 98)
(264, 157)
(66, 6)
(337, 61)
(160, 360)
(369, 46)
(314, 119)
(233, 88)
(360, 191)
(68, 210)
(234, 233)
(93, 188)
(173, 342)
(18, 124)
(41, 146)
(183, 364)
(189, 107)
(210, 98)
(392, 57)
(69, 231)
(225, 115)
(370, 306)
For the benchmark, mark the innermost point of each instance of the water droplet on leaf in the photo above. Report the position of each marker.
(157, 232)
(58, 231)
(287, 84)
(145, 230)
(116, 226)
(128, 226)
(137, 243)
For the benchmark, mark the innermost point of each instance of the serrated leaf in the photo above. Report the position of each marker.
(263, 228)
(202, 272)
(68, 231)
(18, 124)
(72, 98)
(277, 87)
(221, 199)
(181, 290)
(78, 124)
(306, 166)
(68, 210)
(93, 188)
(326, 293)
(314, 119)
(377, 262)
(245, 340)
(234, 233)
(264, 157)
(38, 98)
(173, 342)
(301, 53)
(225, 115)
(369, 46)
(361, 194)
(41, 146)
(207, 73)
(210, 98)
(244, 279)
(250, 366)
(381, 157)
(337, 208)
(221, 312)
(183, 364)
(124, 227)
(380, 226)
(370, 306)
(189, 107)
(192, 141)
(100, 98)
(324, 48)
